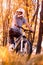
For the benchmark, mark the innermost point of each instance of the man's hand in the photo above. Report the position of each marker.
(32, 30)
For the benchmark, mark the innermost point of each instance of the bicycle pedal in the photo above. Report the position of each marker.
(11, 47)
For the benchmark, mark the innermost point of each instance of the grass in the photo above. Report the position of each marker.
(11, 58)
(37, 60)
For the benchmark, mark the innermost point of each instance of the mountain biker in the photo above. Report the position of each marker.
(18, 20)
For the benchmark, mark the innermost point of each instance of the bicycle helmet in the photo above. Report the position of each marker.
(21, 10)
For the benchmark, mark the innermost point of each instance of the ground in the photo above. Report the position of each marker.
(12, 58)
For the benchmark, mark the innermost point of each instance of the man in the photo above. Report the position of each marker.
(18, 20)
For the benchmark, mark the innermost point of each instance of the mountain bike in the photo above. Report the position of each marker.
(22, 44)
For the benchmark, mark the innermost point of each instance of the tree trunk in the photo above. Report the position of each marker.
(40, 27)
(5, 33)
(35, 19)
(5, 20)
(1, 24)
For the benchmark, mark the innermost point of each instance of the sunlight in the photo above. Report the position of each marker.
(4, 4)
(42, 44)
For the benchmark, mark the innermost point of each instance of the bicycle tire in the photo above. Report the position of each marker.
(29, 46)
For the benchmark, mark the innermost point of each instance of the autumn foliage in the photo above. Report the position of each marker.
(11, 58)
(7, 10)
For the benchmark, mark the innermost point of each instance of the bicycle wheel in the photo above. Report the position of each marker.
(27, 46)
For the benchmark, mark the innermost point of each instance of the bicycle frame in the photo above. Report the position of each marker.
(17, 42)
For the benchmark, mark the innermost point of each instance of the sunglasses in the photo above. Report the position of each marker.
(19, 13)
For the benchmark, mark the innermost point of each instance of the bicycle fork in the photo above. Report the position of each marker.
(25, 46)
(21, 45)
(21, 50)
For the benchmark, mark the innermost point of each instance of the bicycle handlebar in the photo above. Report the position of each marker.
(24, 29)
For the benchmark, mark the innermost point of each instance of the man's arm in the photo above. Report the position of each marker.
(27, 24)
(14, 20)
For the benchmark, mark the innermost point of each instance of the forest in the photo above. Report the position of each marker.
(34, 15)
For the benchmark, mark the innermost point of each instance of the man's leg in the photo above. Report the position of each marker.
(11, 36)
(13, 33)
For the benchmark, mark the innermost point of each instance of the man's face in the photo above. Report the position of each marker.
(19, 13)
